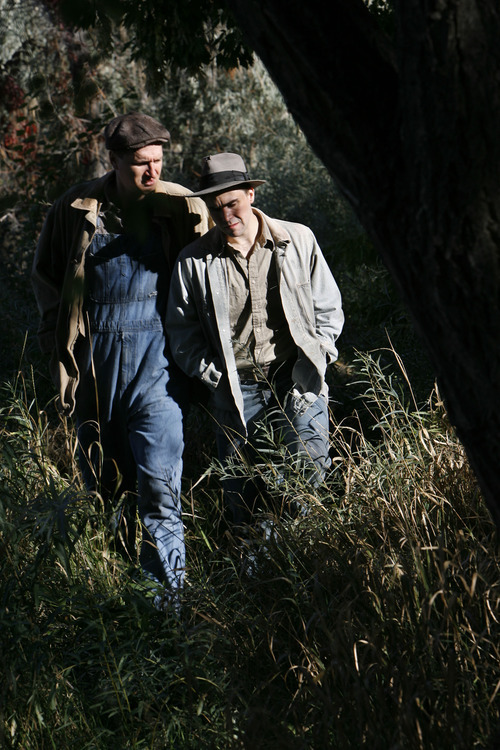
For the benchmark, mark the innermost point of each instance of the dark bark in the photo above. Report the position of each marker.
(408, 124)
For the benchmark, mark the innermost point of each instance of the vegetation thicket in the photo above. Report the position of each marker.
(371, 620)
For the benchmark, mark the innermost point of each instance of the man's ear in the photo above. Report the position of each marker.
(251, 194)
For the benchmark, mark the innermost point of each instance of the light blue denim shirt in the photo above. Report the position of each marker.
(198, 313)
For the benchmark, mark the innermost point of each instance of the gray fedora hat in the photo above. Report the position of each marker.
(222, 172)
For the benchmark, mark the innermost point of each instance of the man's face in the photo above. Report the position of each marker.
(138, 172)
(232, 212)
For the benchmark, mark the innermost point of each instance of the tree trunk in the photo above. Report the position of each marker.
(408, 124)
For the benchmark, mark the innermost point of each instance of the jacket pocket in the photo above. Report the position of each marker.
(304, 296)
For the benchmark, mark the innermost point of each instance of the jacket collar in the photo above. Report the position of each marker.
(281, 236)
(93, 193)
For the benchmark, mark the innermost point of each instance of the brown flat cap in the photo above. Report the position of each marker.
(133, 131)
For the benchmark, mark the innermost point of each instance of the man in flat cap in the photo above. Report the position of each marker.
(254, 312)
(101, 276)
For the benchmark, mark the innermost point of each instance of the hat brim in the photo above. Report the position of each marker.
(225, 187)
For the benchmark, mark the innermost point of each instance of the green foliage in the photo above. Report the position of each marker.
(172, 35)
(70, 90)
(43, 139)
(166, 34)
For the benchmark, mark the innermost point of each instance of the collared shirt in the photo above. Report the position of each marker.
(259, 330)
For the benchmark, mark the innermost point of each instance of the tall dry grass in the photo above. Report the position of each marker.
(370, 621)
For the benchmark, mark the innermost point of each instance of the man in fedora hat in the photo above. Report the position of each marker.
(101, 275)
(254, 312)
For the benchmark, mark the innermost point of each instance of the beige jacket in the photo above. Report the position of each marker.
(58, 267)
(198, 322)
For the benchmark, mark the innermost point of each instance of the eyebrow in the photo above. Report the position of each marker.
(144, 160)
(213, 207)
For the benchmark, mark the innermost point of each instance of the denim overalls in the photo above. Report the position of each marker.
(128, 405)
